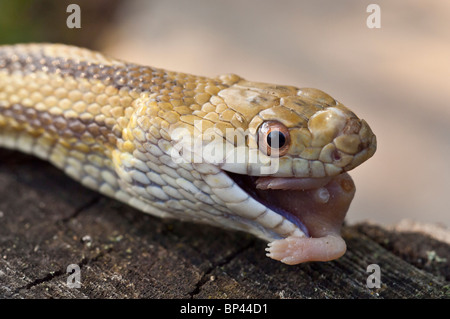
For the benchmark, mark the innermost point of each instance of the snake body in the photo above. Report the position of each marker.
(144, 136)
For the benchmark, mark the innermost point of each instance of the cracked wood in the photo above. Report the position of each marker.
(126, 254)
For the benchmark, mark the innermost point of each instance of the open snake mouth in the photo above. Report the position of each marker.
(317, 206)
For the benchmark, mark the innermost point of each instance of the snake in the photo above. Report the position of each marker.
(266, 159)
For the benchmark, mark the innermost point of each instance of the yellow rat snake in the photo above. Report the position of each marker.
(267, 159)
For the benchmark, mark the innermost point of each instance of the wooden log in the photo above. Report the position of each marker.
(48, 222)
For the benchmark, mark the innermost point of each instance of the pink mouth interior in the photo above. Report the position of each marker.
(317, 206)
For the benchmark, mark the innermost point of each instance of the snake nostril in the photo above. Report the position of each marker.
(336, 156)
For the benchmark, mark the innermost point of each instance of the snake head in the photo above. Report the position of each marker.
(301, 132)
(290, 182)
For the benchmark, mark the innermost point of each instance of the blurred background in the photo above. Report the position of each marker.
(396, 77)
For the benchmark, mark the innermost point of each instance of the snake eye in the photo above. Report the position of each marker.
(273, 138)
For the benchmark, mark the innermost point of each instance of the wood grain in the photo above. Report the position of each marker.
(48, 221)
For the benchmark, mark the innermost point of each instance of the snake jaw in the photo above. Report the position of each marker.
(318, 212)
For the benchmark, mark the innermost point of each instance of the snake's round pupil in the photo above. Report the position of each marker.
(276, 139)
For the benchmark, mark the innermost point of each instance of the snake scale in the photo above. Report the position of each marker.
(266, 159)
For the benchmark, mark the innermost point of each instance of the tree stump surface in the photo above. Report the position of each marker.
(48, 222)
